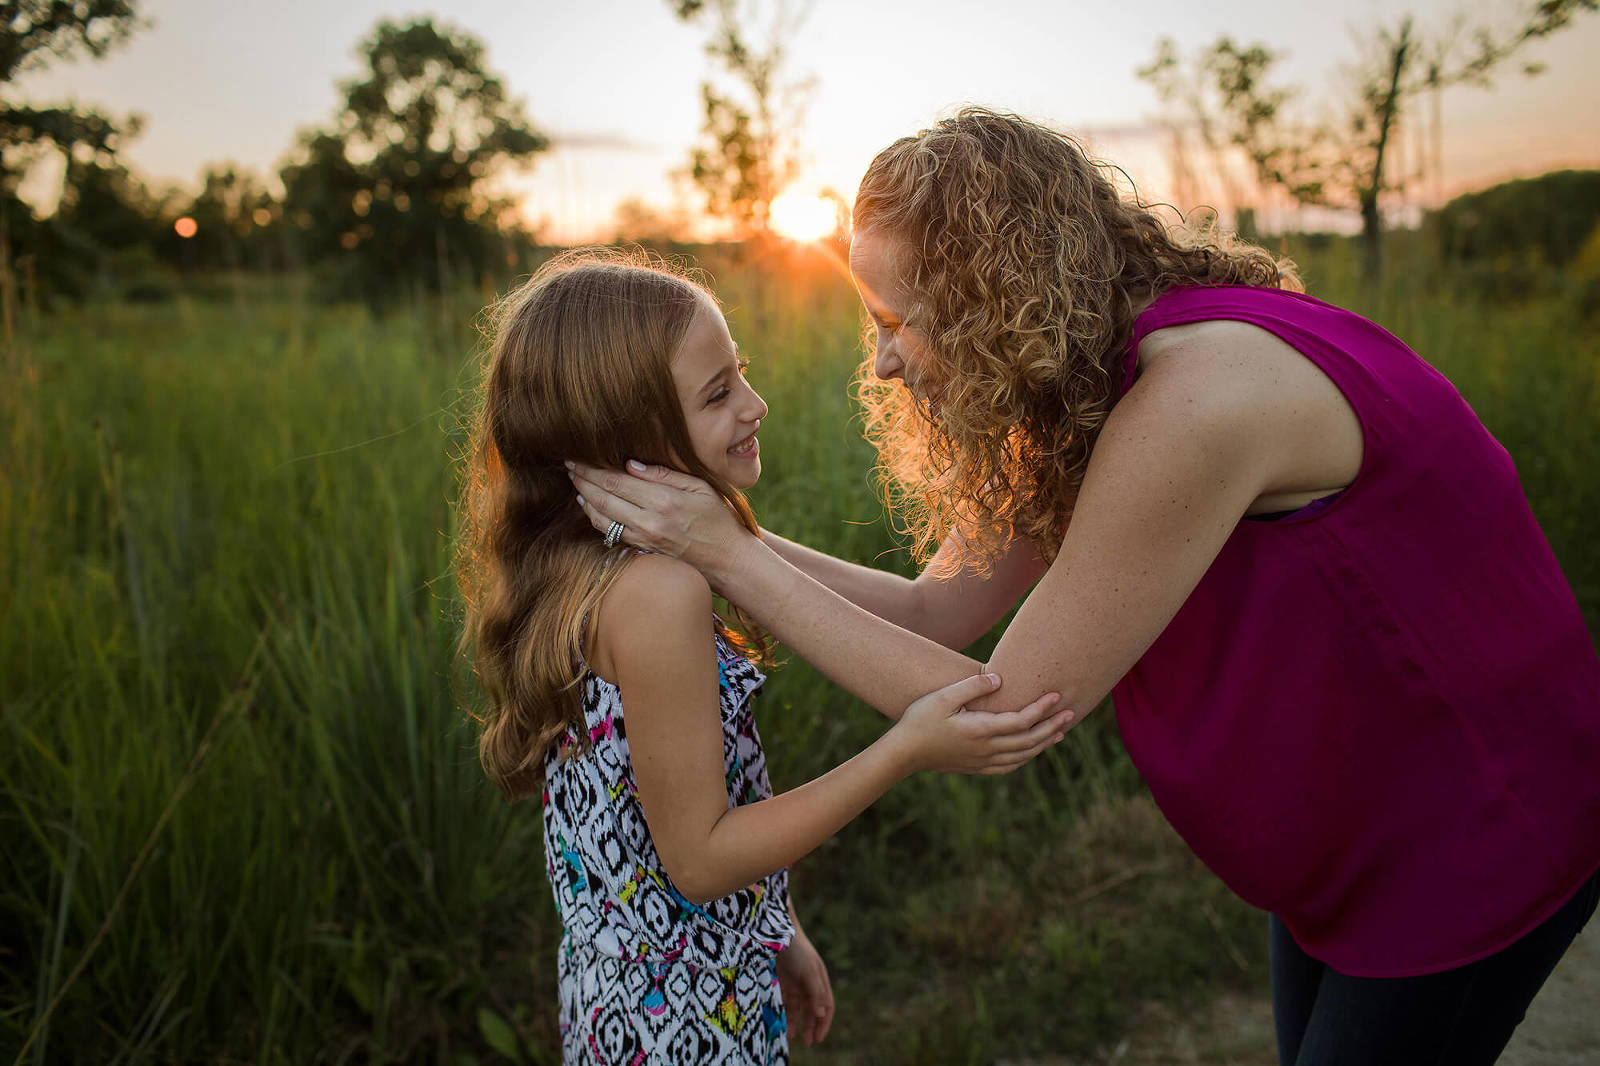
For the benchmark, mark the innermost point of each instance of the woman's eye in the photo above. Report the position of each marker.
(718, 396)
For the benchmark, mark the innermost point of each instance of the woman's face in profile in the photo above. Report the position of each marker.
(900, 349)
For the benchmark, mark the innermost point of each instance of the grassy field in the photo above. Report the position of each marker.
(242, 816)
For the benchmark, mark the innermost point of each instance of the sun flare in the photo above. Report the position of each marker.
(803, 218)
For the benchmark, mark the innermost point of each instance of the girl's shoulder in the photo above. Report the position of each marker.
(655, 600)
(657, 584)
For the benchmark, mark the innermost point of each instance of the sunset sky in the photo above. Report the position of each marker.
(615, 83)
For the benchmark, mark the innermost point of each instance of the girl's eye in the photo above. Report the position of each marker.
(723, 393)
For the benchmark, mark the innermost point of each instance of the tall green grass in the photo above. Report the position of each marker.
(243, 819)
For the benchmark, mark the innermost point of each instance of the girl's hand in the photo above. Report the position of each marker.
(941, 734)
(807, 994)
(661, 509)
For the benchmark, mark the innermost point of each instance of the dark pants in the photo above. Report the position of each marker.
(1460, 1017)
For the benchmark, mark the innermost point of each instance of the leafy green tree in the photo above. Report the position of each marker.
(391, 195)
(748, 152)
(1345, 162)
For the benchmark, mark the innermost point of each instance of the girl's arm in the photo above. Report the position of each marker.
(653, 634)
(807, 992)
(953, 611)
(1182, 456)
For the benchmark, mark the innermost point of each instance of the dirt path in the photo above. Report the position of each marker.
(1563, 1025)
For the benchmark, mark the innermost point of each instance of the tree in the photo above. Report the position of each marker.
(1549, 218)
(748, 151)
(1345, 162)
(236, 218)
(36, 28)
(392, 193)
(37, 32)
(636, 222)
(104, 202)
(1186, 92)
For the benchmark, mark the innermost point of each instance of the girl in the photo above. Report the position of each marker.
(665, 848)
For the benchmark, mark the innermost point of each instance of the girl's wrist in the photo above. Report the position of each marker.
(900, 752)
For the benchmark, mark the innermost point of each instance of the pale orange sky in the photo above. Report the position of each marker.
(616, 84)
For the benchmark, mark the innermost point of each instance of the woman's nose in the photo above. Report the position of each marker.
(885, 363)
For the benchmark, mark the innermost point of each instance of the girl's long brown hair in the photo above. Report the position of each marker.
(1026, 268)
(579, 368)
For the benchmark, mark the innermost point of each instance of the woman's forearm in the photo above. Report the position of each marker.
(883, 664)
(950, 602)
(889, 596)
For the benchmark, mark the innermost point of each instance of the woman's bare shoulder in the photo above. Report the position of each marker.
(1216, 342)
(1259, 391)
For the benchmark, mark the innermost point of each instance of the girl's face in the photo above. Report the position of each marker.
(900, 350)
(720, 408)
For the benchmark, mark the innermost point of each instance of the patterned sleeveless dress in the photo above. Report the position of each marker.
(645, 975)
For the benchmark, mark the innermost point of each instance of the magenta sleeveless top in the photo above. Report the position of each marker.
(1379, 718)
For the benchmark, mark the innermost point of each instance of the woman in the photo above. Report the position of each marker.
(1341, 652)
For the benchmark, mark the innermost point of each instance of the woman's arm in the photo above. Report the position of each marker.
(653, 634)
(1178, 462)
(953, 611)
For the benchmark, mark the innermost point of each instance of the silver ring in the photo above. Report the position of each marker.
(613, 534)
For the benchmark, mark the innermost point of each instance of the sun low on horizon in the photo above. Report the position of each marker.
(805, 217)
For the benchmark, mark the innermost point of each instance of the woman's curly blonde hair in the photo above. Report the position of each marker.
(1026, 268)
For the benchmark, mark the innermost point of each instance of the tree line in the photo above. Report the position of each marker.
(1221, 102)
(391, 195)
(388, 196)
